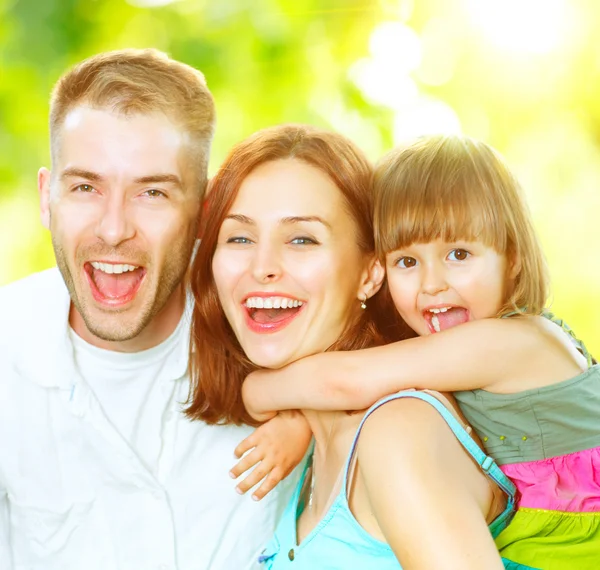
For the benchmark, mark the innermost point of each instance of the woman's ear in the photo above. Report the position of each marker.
(373, 279)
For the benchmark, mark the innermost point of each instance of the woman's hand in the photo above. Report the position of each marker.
(274, 449)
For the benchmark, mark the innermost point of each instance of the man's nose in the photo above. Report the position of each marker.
(114, 226)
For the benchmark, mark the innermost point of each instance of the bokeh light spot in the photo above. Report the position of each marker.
(522, 26)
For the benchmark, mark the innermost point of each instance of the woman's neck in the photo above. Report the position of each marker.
(334, 433)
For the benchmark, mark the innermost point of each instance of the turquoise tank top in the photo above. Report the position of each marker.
(339, 541)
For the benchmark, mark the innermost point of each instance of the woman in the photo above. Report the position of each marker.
(287, 269)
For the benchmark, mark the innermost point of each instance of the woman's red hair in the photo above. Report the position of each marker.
(218, 364)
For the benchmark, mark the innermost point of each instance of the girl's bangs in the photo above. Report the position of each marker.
(405, 218)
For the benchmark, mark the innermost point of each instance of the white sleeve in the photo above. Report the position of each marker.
(5, 548)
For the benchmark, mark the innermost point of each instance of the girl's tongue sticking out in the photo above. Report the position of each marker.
(445, 318)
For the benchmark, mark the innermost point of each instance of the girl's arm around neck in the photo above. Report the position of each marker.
(428, 497)
(478, 354)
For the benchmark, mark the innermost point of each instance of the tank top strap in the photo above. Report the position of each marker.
(567, 329)
(485, 462)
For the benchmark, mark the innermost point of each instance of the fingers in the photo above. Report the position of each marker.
(270, 482)
(255, 477)
(246, 444)
(246, 463)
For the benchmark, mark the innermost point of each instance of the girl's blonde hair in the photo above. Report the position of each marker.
(456, 188)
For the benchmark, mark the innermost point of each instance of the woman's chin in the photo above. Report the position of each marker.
(271, 362)
(272, 359)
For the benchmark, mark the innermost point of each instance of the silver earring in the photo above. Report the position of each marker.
(363, 303)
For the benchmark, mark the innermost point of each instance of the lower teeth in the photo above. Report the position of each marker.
(436, 323)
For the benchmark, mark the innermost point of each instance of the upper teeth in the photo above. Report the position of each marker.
(441, 310)
(272, 303)
(113, 267)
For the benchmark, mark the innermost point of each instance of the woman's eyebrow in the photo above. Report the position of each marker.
(240, 218)
(297, 219)
(284, 221)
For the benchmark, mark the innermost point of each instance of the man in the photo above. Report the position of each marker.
(99, 468)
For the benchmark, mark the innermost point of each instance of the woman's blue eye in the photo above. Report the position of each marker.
(241, 240)
(406, 262)
(458, 254)
(303, 241)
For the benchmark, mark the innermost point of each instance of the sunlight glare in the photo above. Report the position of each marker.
(150, 3)
(522, 26)
(384, 77)
(425, 117)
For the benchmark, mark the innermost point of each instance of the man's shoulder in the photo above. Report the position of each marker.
(40, 285)
(29, 301)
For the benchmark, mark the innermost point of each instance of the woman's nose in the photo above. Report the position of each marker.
(266, 266)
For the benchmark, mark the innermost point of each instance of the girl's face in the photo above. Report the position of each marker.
(287, 266)
(438, 285)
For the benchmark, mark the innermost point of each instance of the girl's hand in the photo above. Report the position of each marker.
(275, 448)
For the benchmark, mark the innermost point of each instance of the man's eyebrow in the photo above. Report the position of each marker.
(298, 219)
(159, 178)
(73, 172)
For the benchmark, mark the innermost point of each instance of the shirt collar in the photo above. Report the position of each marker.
(48, 358)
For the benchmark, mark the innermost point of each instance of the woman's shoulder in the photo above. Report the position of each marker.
(412, 423)
(411, 418)
(416, 440)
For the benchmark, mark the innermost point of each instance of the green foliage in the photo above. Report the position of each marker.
(270, 61)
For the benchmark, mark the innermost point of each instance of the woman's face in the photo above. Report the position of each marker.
(287, 266)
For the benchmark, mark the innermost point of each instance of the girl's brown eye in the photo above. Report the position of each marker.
(458, 254)
(406, 262)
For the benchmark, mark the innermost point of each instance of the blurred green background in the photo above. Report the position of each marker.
(523, 75)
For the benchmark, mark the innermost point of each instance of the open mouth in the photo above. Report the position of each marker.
(271, 314)
(114, 284)
(443, 318)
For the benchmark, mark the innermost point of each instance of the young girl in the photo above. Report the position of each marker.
(460, 249)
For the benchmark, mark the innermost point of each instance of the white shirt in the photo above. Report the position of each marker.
(75, 493)
(135, 390)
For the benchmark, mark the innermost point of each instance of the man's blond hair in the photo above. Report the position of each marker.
(139, 81)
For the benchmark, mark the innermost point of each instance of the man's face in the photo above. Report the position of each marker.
(122, 205)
